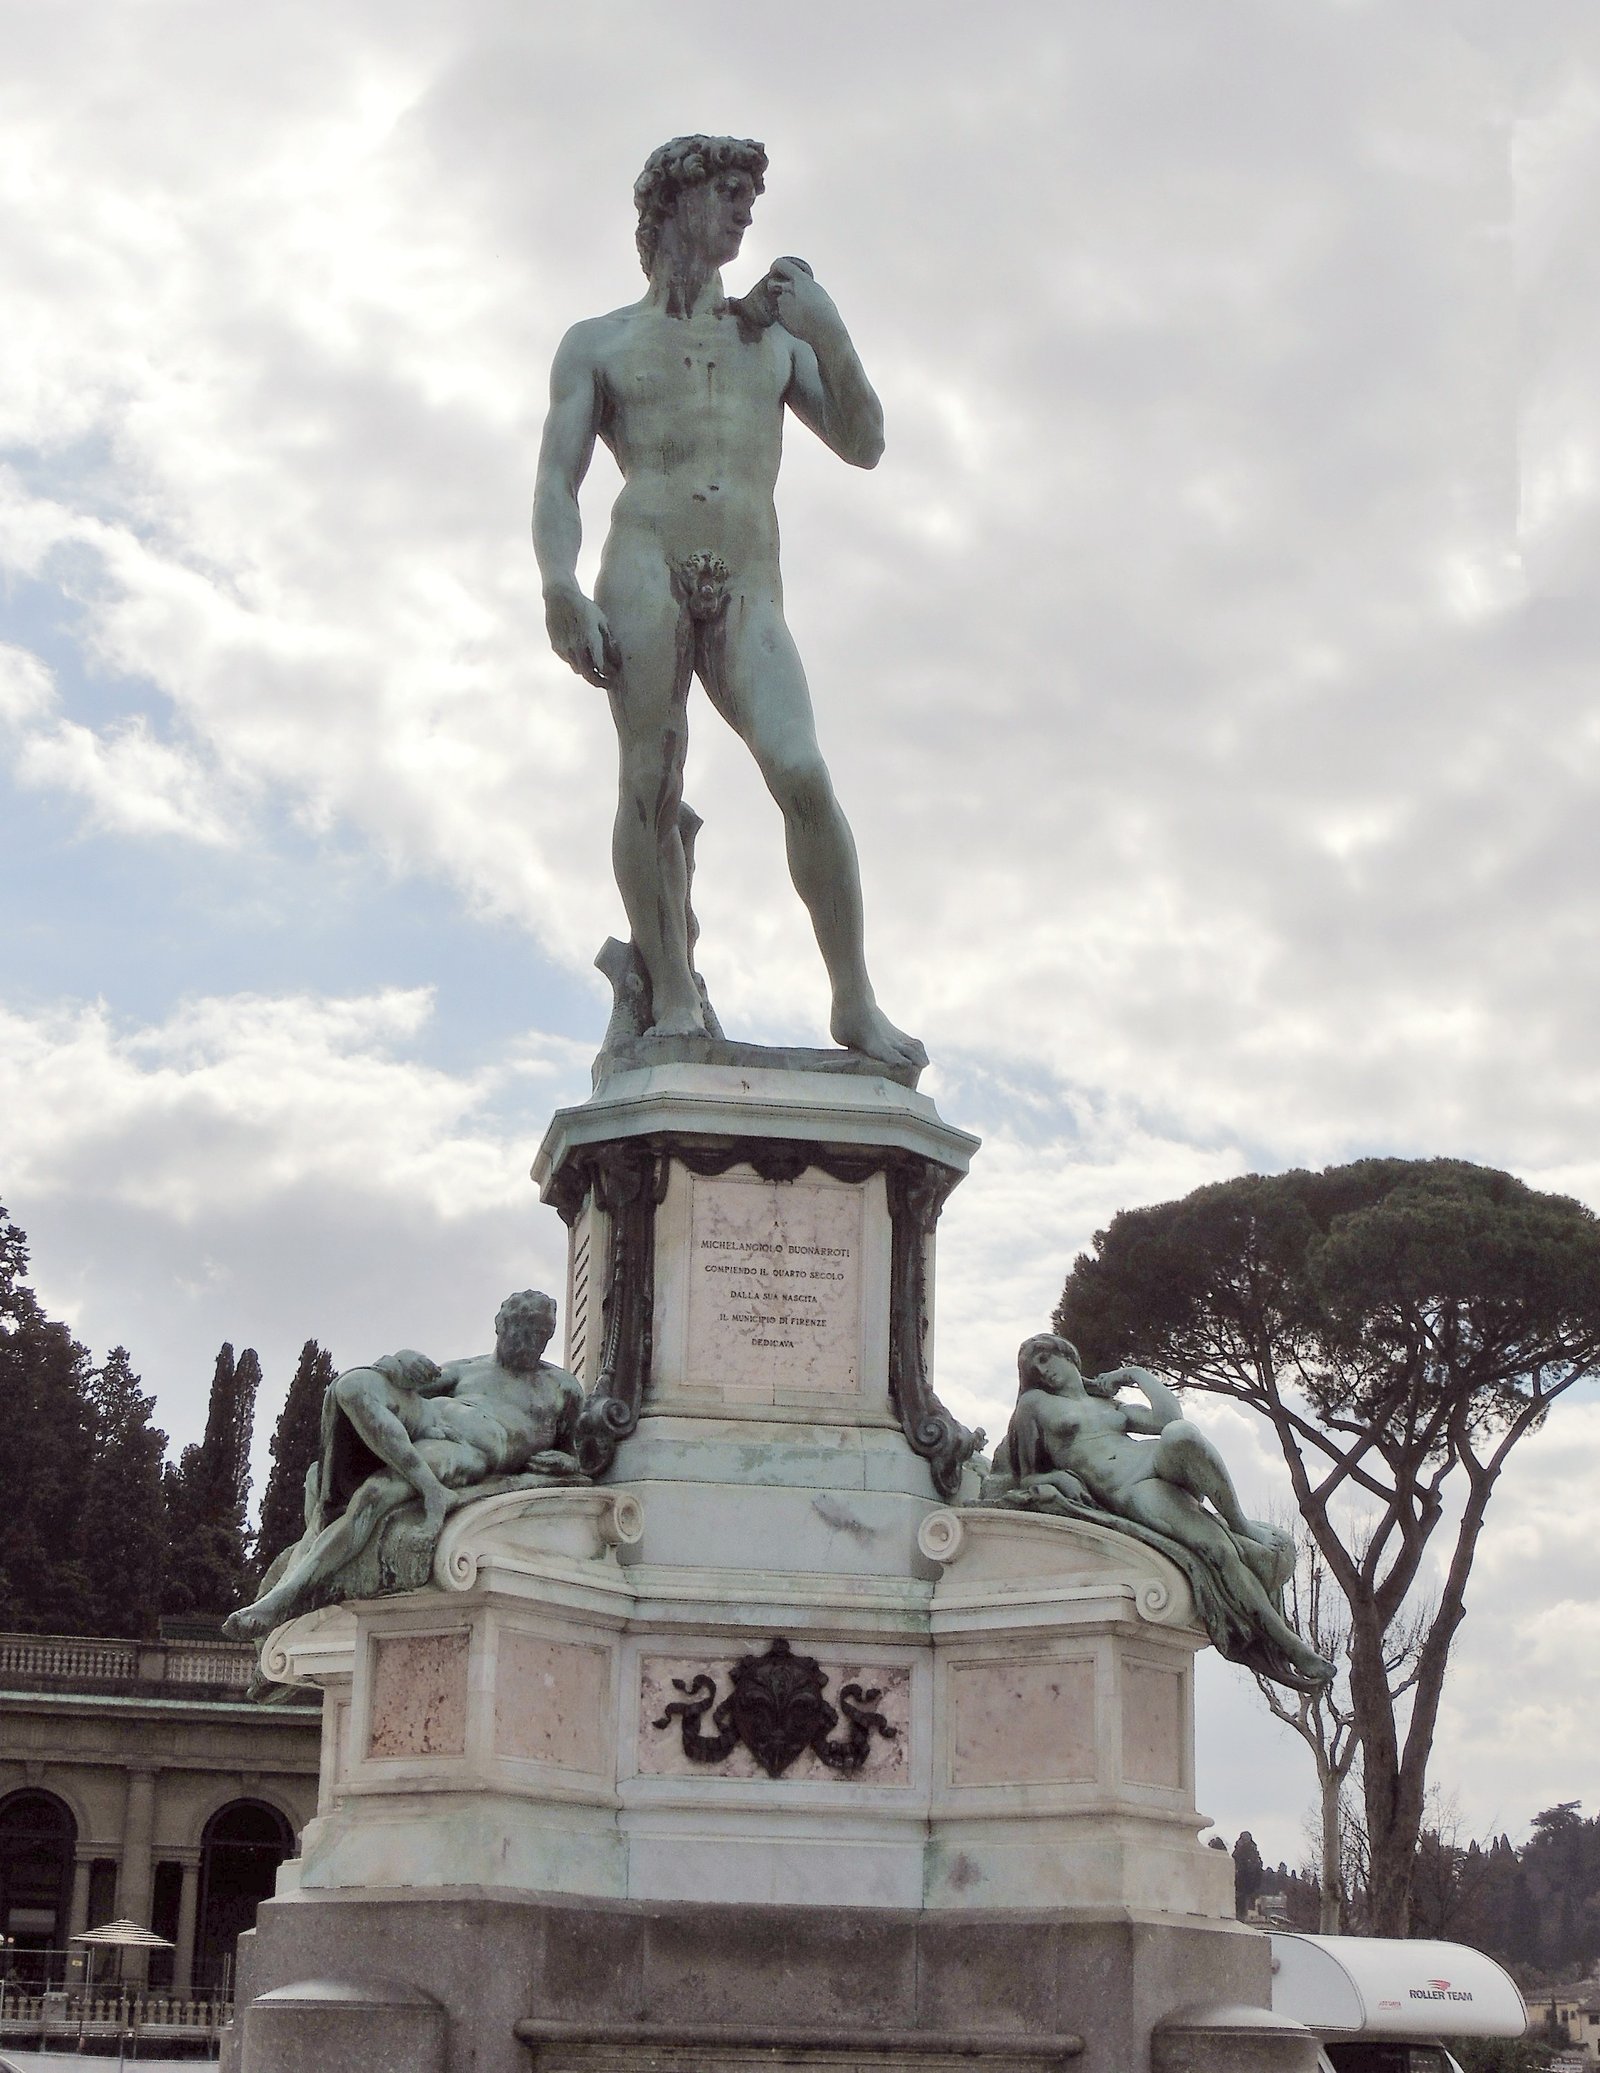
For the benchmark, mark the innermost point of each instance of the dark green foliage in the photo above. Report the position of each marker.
(1554, 1910)
(1402, 1324)
(1500, 2054)
(208, 1570)
(1246, 1873)
(1302, 1892)
(1562, 1863)
(96, 1535)
(294, 1448)
(126, 1549)
(46, 1444)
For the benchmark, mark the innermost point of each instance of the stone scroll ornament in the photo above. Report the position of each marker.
(628, 1181)
(777, 1711)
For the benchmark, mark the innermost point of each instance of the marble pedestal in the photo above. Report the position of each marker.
(751, 1266)
(769, 1747)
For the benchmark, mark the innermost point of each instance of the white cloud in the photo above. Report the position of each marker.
(27, 690)
(131, 783)
(268, 1170)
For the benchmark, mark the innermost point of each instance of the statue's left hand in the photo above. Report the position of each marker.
(805, 308)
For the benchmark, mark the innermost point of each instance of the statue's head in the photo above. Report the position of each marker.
(522, 1328)
(717, 178)
(1037, 1358)
(412, 1370)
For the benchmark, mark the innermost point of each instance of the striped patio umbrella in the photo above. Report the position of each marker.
(121, 1936)
(126, 1934)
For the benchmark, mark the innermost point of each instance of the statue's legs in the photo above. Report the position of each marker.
(649, 704)
(451, 1466)
(329, 1552)
(764, 696)
(1184, 1456)
(1169, 1509)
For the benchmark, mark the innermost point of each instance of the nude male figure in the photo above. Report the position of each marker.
(689, 391)
(422, 1431)
(1146, 1462)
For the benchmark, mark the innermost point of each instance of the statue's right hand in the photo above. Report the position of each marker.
(580, 636)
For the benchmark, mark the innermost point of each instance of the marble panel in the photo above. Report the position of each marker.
(419, 1695)
(1023, 1722)
(774, 1290)
(551, 1701)
(1152, 1725)
(661, 1753)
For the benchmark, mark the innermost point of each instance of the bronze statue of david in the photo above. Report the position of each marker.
(688, 390)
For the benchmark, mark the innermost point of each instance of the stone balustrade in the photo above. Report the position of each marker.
(74, 1662)
(99, 2014)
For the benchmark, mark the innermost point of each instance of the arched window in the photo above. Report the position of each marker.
(243, 1845)
(38, 1838)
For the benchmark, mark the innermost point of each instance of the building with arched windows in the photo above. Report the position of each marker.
(137, 1779)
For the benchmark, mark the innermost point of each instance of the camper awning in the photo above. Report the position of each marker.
(1379, 1986)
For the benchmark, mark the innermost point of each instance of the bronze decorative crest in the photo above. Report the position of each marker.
(777, 1710)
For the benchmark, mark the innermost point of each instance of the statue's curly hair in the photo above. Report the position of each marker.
(688, 162)
(529, 1306)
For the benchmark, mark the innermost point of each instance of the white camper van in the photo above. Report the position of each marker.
(1380, 2005)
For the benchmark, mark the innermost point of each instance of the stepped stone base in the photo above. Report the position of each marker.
(628, 1986)
(771, 1749)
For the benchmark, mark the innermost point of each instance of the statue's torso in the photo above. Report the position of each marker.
(507, 1415)
(693, 412)
(1089, 1437)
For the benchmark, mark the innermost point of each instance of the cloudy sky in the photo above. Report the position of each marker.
(1208, 669)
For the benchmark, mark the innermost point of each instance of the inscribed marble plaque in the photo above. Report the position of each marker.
(775, 1285)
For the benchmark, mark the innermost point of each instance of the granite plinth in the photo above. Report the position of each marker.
(1231, 2038)
(357, 2025)
(609, 1983)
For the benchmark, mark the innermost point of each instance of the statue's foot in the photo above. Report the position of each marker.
(863, 1026)
(249, 1623)
(680, 1022)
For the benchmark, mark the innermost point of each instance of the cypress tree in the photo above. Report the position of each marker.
(46, 1441)
(294, 1448)
(127, 1535)
(1248, 1873)
(207, 1564)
